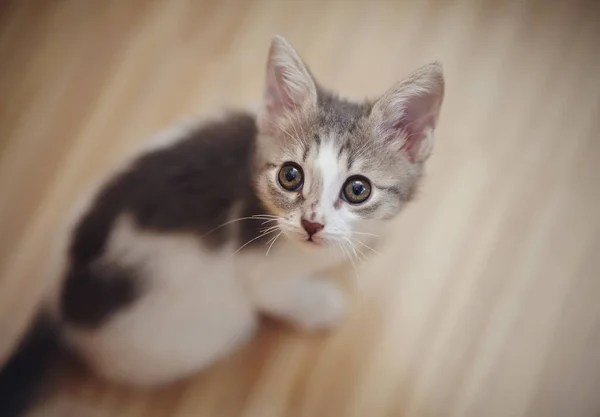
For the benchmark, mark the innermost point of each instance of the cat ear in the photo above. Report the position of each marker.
(406, 116)
(290, 87)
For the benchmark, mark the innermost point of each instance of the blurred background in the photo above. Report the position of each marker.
(485, 300)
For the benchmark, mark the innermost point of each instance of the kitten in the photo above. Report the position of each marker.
(168, 266)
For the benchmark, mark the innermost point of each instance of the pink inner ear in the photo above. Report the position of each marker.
(412, 120)
(414, 129)
(278, 99)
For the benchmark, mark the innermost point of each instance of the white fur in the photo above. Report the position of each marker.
(198, 306)
(129, 349)
(192, 310)
(331, 175)
(340, 223)
(57, 263)
(332, 179)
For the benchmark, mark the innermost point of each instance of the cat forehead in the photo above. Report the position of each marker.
(338, 128)
(337, 115)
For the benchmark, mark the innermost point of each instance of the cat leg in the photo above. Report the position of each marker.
(310, 303)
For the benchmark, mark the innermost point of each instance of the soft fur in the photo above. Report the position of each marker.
(167, 267)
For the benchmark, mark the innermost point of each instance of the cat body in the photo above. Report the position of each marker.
(185, 289)
(169, 264)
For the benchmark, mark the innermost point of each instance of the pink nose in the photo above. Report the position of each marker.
(311, 227)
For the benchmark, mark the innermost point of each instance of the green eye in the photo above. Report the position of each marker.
(356, 190)
(291, 177)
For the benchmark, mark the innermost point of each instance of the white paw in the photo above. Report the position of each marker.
(317, 305)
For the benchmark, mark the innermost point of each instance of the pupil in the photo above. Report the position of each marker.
(291, 174)
(358, 188)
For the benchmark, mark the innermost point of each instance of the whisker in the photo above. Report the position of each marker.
(342, 250)
(351, 245)
(366, 246)
(273, 240)
(347, 256)
(268, 221)
(336, 232)
(255, 217)
(253, 239)
(364, 233)
(363, 258)
(353, 265)
(269, 229)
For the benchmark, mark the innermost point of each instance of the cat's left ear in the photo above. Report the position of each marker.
(406, 116)
(290, 88)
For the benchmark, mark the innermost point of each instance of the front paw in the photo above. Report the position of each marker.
(317, 305)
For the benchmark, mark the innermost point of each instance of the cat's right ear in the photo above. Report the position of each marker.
(290, 88)
(406, 116)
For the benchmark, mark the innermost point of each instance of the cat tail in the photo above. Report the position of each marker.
(22, 376)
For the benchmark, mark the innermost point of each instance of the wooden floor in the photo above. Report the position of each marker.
(486, 300)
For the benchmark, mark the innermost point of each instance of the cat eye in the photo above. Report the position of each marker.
(356, 190)
(291, 177)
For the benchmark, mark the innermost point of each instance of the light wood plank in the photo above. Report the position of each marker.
(484, 302)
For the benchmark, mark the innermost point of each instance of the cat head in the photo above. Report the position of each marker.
(330, 168)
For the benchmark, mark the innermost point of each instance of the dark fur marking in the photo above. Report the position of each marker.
(22, 377)
(351, 160)
(345, 120)
(190, 186)
(391, 190)
(365, 211)
(299, 200)
(193, 185)
(93, 294)
(305, 152)
(342, 148)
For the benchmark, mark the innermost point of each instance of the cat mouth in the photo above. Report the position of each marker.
(310, 240)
